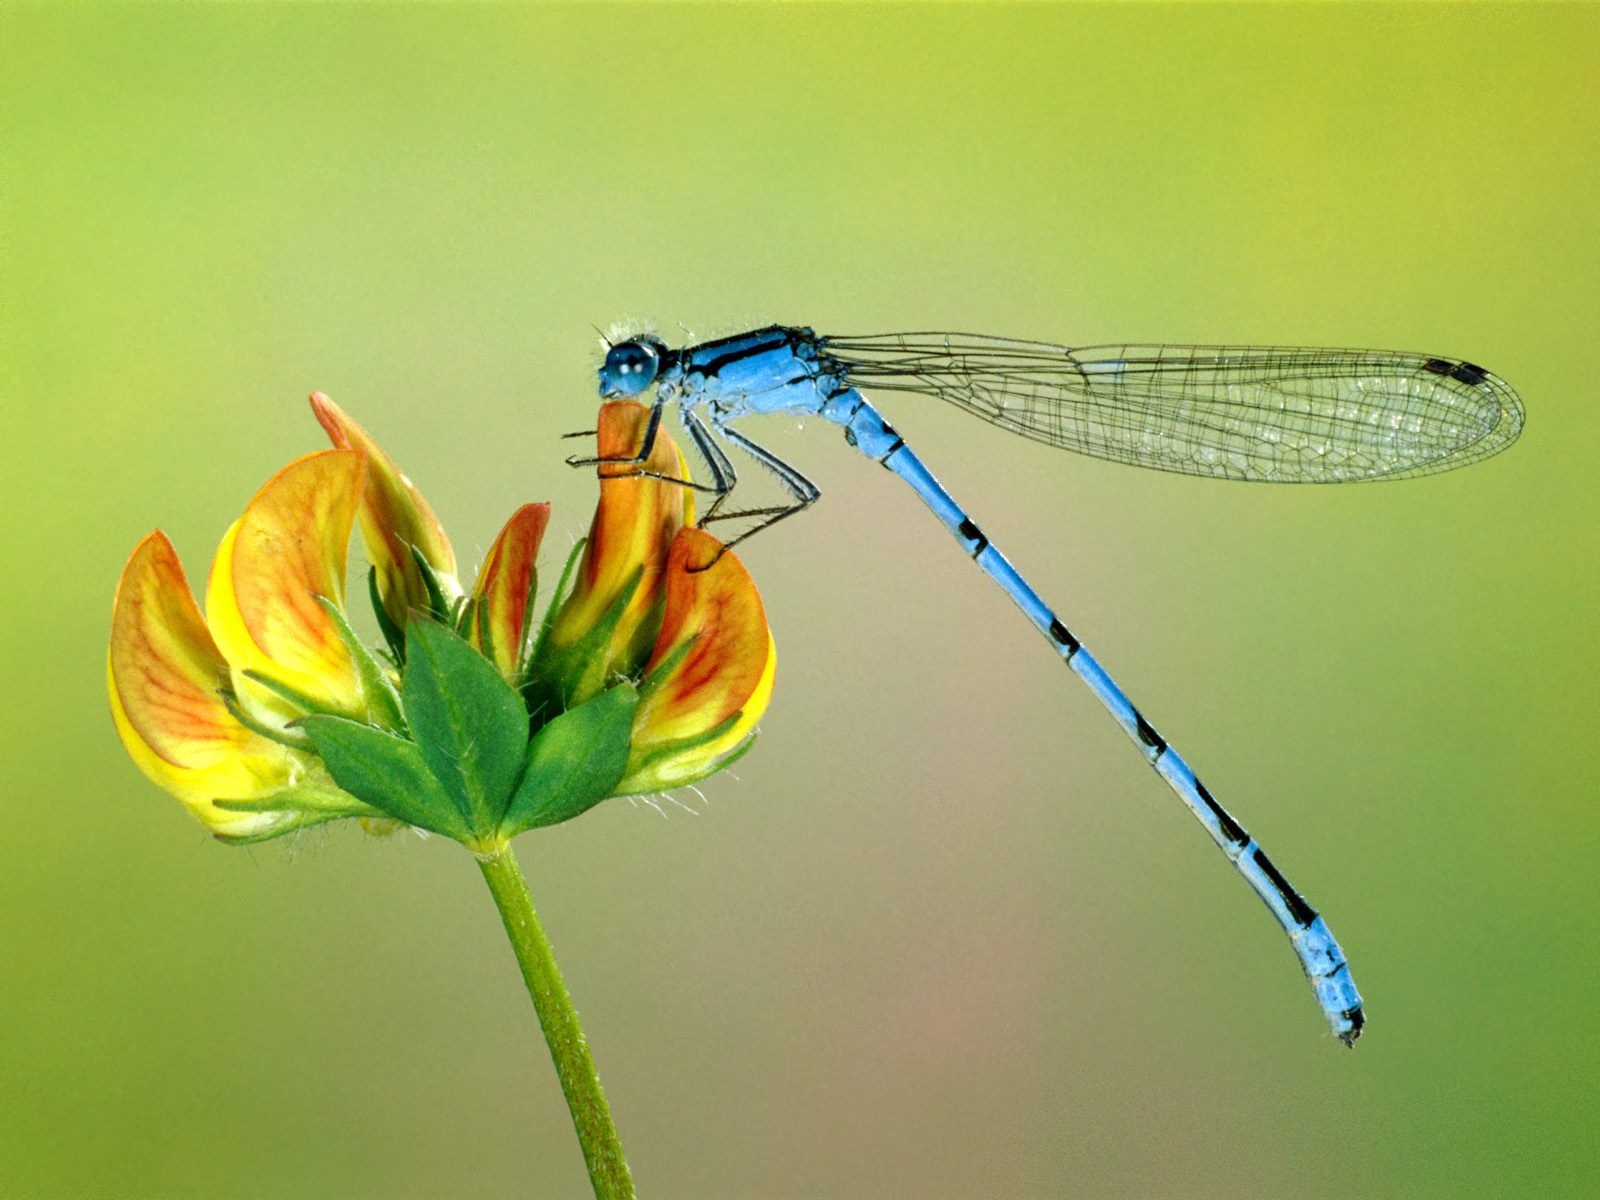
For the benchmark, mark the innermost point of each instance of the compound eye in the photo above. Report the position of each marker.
(630, 367)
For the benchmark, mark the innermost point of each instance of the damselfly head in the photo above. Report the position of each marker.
(631, 366)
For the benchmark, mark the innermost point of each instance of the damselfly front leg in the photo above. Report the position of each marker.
(646, 444)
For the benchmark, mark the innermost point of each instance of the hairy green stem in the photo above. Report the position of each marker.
(591, 1116)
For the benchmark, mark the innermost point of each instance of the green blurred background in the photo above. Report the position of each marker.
(945, 936)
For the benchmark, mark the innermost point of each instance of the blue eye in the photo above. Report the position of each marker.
(630, 367)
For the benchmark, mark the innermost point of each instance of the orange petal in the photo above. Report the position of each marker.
(632, 531)
(727, 671)
(394, 518)
(163, 673)
(273, 563)
(502, 588)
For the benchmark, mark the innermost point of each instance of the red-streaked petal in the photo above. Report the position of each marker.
(633, 528)
(287, 549)
(501, 592)
(163, 673)
(394, 518)
(727, 671)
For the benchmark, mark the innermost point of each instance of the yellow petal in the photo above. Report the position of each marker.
(287, 549)
(163, 672)
(726, 672)
(394, 518)
(501, 593)
(633, 528)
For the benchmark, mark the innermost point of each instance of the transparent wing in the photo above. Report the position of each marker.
(1290, 415)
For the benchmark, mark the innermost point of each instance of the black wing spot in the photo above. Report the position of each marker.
(1302, 912)
(1470, 374)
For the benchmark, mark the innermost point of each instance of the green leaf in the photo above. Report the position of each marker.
(386, 771)
(574, 762)
(468, 722)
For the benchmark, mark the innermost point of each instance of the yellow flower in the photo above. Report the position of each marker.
(710, 676)
(167, 680)
(607, 624)
(397, 524)
(269, 713)
(274, 563)
(503, 596)
(203, 704)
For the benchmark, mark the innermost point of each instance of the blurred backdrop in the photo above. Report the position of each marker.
(945, 936)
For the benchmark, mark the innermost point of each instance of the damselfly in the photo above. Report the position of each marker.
(1229, 412)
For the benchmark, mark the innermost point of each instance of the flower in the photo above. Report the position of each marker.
(167, 681)
(277, 584)
(607, 624)
(404, 539)
(709, 677)
(503, 596)
(269, 713)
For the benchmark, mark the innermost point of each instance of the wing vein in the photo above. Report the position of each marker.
(1281, 414)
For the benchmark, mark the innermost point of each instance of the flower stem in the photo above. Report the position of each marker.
(591, 1116)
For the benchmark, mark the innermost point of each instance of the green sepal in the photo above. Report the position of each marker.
(472, 613)
(731, 757)
(541, 644)
(522, 661)
(438, 606)
(383, 702)
(294, 822)
(556, 601)
(392, 636)
(658, 676)
(681, 745)
(317, 798)
(284, 737)
(574, 674)
(306, 803)
(388, 772)
(293, 695)
(647, 763)
(574, 762)
(712, 768)
(474, 620)
(468, 722)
